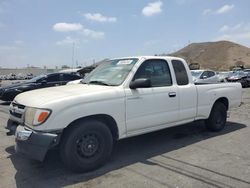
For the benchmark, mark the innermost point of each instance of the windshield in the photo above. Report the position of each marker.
(111, 73)
(196, 74)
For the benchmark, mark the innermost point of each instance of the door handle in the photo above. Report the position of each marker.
(134, 98)
(172, 94)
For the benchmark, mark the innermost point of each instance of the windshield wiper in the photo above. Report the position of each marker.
(99, 83)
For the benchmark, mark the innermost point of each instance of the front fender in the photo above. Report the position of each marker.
(60, 118)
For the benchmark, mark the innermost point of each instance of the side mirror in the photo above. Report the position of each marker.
(140, 83)
(203, 77)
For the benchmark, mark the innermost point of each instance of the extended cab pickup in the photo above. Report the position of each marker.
(121, 98)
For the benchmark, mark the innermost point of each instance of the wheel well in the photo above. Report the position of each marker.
(106, 119)
(224, 101)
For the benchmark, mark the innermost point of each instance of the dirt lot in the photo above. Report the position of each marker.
(184, 156)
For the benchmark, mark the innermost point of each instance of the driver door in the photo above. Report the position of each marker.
(154, 107)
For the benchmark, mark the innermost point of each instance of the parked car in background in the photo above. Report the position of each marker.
(20, 76)
(11, 76)
(222, 76)
(9, 92)
(247, 78)
(246, 70)
(238, 76)
(29, 76)
(2, 77)
(238, 69)
(204, 76)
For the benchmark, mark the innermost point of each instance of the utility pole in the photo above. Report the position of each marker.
(73, 54)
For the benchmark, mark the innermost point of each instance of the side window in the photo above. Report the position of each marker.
(204, 75)
(157, 71)
(211, 73)
(53, 78)
(69, 77)
(180, 72)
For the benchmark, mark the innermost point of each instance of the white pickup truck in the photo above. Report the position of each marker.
(121, 98)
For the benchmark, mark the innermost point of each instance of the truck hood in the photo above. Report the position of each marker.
(41, 97)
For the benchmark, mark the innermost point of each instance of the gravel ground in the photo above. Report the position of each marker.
(184, 156)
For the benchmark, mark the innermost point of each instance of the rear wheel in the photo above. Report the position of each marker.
(86, 146)
(217, 118)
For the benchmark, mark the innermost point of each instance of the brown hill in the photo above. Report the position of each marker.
(221, 55)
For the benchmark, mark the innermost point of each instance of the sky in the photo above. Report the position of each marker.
(46, 33)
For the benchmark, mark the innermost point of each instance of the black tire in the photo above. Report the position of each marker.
(244, 84)
(218, 117)
(86, 146)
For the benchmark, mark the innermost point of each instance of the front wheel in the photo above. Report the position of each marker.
(217, 119)
(86, 146)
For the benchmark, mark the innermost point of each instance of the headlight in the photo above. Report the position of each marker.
(36, 116)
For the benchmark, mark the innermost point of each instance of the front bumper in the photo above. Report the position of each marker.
(34, 144)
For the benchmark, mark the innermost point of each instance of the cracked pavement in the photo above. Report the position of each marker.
(183, 156)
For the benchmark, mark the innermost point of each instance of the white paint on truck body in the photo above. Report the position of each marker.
(136, 111)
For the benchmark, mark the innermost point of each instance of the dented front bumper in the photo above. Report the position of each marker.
(34, 145)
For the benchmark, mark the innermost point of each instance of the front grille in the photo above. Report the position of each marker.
(18, 105)
(16, 114)
(16, 111)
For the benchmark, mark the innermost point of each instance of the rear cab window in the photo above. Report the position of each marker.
(180, 72)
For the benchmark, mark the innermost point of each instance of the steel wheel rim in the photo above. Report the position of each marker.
(87, 145)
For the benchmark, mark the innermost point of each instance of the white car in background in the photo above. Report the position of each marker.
(204, 76)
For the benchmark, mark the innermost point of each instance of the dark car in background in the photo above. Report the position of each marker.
(239, 76)
(248, 78)
(9, 92)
